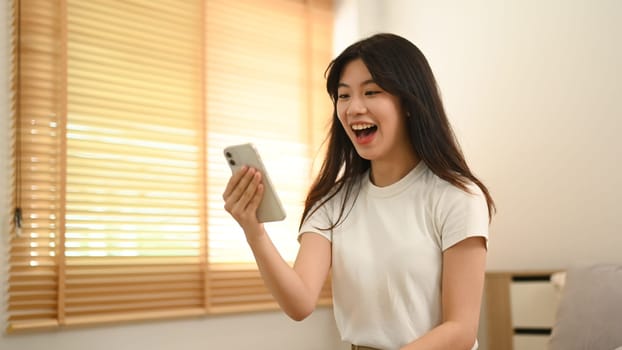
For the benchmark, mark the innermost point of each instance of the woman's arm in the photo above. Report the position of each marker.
(296, 289)
(464, 267)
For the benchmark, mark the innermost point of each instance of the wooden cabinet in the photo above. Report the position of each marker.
(520, 309)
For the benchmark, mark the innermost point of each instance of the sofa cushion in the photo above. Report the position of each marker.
(589, 316)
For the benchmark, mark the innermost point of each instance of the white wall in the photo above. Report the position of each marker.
(268, 330)
(533, 89)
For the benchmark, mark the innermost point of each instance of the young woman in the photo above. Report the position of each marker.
(395, 211)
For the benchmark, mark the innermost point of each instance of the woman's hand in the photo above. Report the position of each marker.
(242, 196)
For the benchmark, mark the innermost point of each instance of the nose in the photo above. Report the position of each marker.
(356, 107)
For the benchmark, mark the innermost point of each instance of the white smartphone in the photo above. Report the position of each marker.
(270, 208)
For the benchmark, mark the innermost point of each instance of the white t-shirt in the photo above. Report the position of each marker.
(387, 254)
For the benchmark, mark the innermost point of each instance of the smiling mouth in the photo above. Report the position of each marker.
(363, 130)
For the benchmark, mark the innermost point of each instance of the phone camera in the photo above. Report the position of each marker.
(228, 154)
(232, 162)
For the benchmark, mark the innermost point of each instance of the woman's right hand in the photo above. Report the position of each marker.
(242, 196)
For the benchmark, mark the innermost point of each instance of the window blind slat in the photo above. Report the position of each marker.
(103, 69)
(113, 49)
(80, 95)
(103, 89)
(113, 32)
(79, 102)
(162, 12)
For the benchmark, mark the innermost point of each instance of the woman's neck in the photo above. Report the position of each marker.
(387, 173)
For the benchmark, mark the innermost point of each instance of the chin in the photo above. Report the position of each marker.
(367, 155)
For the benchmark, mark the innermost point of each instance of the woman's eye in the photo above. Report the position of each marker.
(342, 96)
(372, 92)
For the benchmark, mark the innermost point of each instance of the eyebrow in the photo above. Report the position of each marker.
(366, 82)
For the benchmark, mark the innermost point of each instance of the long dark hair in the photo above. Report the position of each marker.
(401, 69)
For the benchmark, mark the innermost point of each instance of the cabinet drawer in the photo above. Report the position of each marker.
(533, 304)
(531, 342)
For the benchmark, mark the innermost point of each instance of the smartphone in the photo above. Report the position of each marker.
(270, 208)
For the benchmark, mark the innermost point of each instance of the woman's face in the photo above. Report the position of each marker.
(372, 118)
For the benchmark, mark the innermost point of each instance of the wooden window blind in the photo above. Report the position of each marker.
(122, 109)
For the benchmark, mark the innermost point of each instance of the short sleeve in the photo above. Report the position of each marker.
(318, 222)
(462, 214)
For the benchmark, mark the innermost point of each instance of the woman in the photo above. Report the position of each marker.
(395, 211)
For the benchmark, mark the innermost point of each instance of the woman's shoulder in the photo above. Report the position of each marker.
(444, 189)
(340, 191)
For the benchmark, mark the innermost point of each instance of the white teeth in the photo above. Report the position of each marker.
(362, 126)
